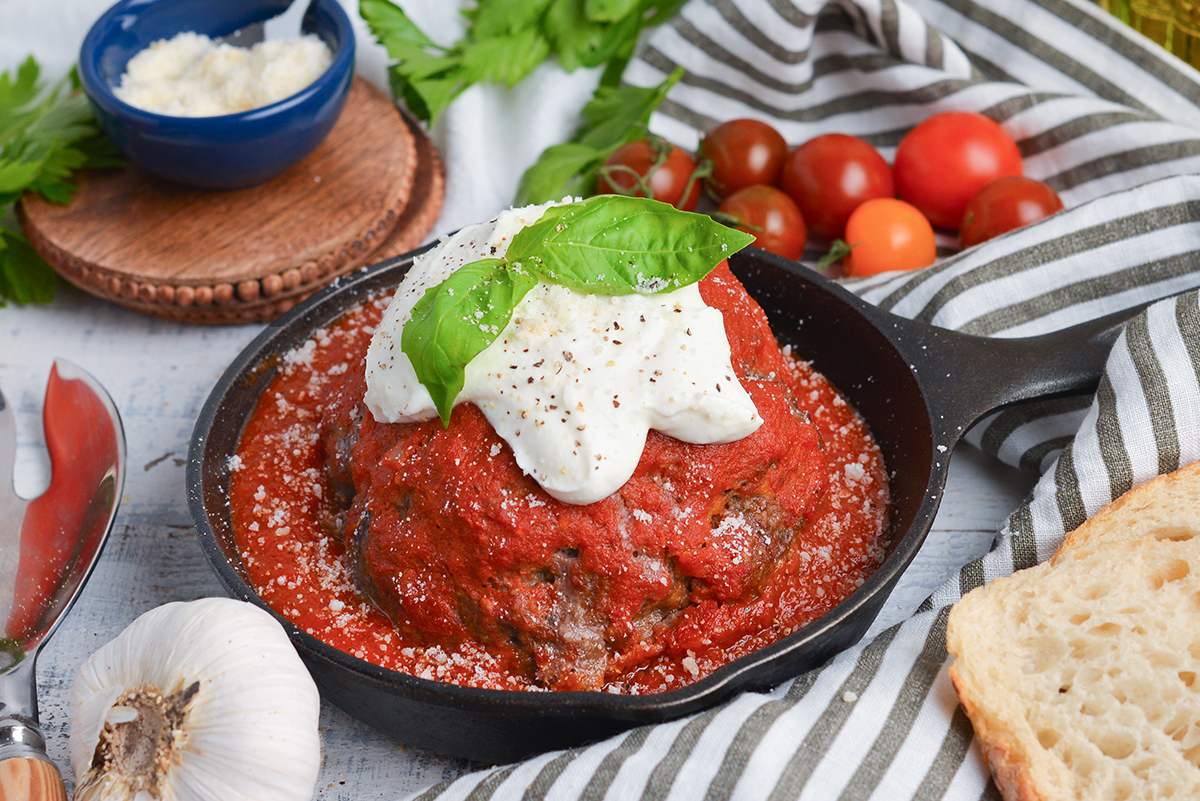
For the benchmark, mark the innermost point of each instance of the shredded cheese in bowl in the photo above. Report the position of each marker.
(190, 75)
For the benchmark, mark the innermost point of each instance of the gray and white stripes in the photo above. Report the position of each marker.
(1112, 124)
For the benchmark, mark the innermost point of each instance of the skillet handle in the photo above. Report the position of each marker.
(29, 779)
(965, 377)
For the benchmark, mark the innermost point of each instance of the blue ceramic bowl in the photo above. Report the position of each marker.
(233, 150)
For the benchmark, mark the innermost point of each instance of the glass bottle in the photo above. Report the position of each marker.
(1174, 24)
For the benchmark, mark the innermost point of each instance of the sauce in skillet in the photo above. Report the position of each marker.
(286, 525)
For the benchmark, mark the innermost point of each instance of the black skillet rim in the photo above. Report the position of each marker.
(739, 675)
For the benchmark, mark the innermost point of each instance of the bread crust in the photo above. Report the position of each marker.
(1165, 507)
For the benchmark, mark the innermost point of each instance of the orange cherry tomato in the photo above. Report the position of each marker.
(888, 234)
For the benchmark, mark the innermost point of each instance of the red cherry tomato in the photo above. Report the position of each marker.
(742, 153)
(944, 162)
(830, 175)
(888, 234)
(1004, 205)
(646, 169)
(771, 216)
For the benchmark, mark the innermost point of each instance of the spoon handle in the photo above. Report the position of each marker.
(28, 779)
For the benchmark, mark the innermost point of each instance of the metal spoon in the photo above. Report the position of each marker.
(282, 27)
(48, 547)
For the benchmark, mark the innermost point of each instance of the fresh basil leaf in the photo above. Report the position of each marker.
(456, 320)
(505, 60)
(562, 171)
(614, 245)
(24, 276)
(608, 10)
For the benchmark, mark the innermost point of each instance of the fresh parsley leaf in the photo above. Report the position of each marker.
(608, 10)
(45, 136)
(566, 170)
(583, 42)
(425, 76)
(607, 245)
(614, 116)
(24, 276)
(617, 115)
(15, 176)
(16, 97)
(496, 18)
(456, 320)
(427, 98)
(393, 28)
(505, 60)
(505, 41)
(615, 245)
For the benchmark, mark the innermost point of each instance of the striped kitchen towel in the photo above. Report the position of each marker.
(1109, 121)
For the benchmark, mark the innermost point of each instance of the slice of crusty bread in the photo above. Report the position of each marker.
(1079, 674)
(1167, 507)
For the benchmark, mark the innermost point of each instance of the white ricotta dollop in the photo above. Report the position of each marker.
(574, 382)
(190, 75)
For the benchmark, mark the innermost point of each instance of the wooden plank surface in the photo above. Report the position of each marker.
(159, 374)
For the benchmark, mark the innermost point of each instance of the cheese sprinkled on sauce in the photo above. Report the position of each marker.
(574, 382)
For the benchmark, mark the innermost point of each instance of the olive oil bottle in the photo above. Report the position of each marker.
(1175, 24)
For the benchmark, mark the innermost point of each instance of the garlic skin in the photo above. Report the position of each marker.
(226, 710)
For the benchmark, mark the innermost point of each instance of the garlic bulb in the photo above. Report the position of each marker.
(199, 701)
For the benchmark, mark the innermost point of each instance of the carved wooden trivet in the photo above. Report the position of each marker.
(249, 255)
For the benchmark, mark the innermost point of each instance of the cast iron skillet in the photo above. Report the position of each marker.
(918, 387)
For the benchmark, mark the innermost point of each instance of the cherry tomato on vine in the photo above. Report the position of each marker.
(830, 175)
(742, 153)
(943, 162)
(651, 168)
(770, 215)
(1004, 205)
(888, 234)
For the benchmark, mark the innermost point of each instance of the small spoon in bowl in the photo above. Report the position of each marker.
(281, 27)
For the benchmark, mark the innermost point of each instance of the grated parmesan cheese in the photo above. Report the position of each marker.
(191, 75)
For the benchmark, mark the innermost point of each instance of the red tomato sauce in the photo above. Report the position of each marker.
(288, 526)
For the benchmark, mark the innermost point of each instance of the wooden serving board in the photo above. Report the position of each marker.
(248, 255)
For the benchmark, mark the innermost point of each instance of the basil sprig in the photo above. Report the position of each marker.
(607, 245)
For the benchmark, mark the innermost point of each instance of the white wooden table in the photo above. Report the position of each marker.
(159, 375)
